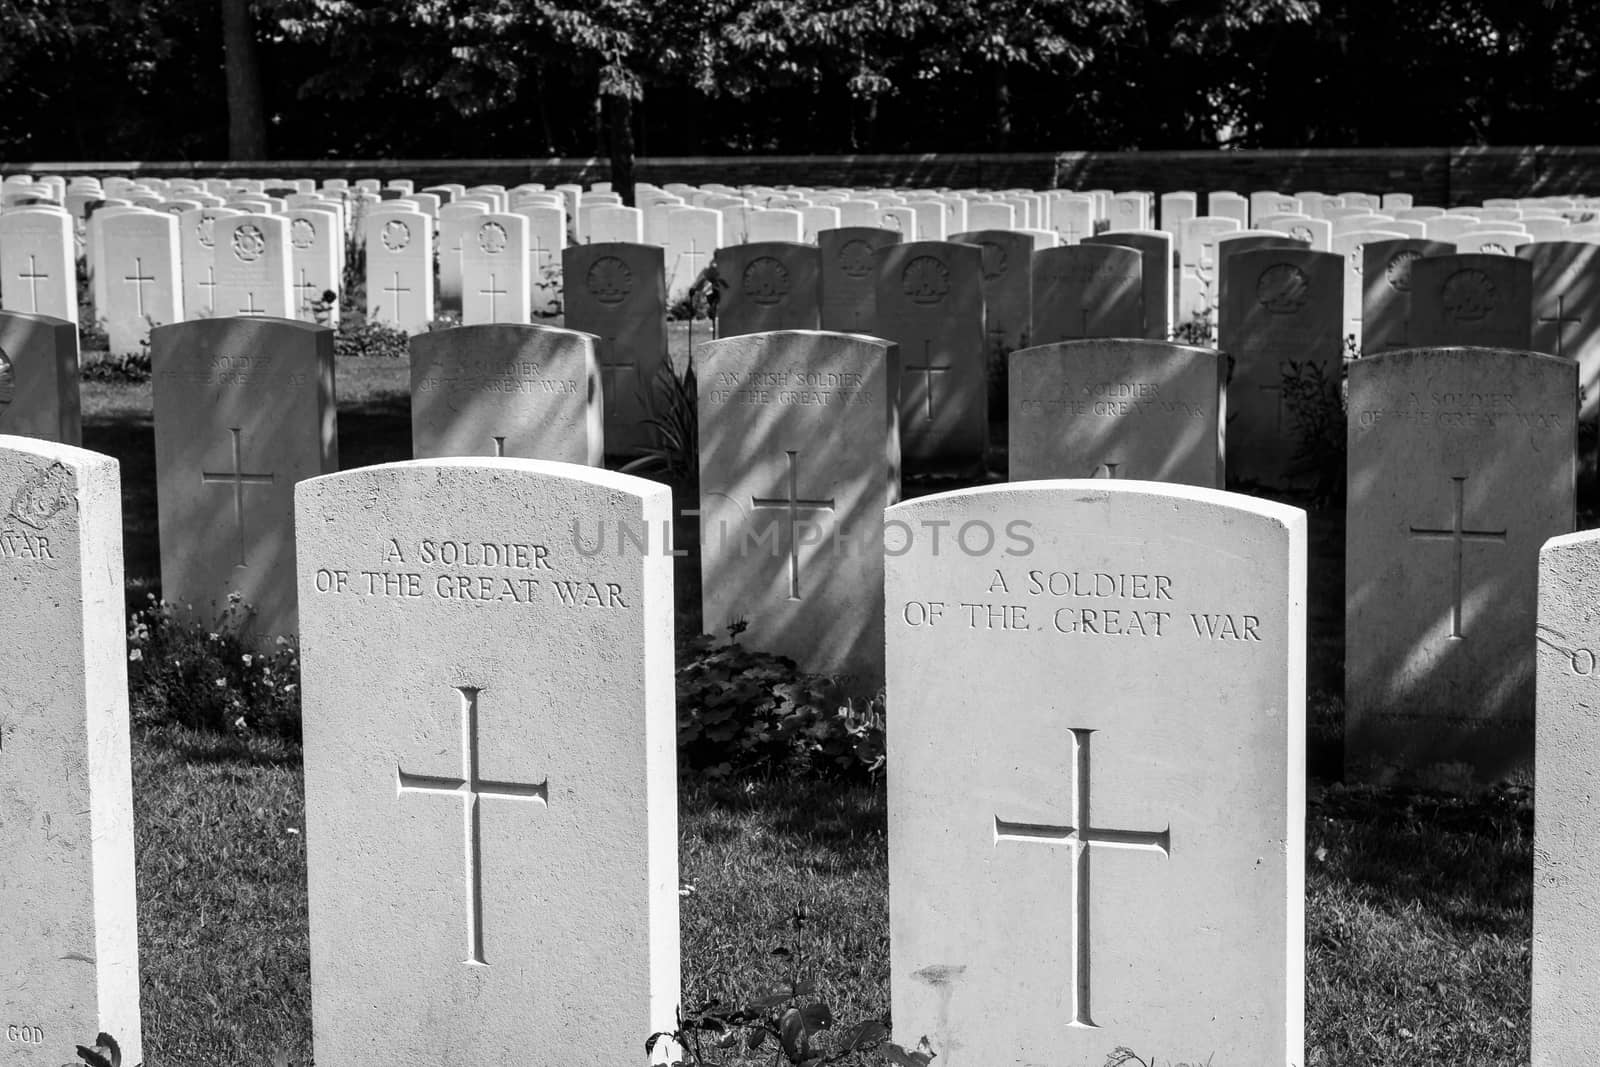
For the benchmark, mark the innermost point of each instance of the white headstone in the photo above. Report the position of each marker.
(400, 268)
(38, 264)
(495, 282)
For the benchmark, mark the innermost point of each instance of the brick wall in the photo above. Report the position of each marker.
(1444, 176)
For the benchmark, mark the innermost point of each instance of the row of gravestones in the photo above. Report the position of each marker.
(1066, 882)
(1461, 462)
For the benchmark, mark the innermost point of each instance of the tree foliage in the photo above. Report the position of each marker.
(440, 78)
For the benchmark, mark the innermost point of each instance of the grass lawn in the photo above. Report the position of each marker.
(1418, 907)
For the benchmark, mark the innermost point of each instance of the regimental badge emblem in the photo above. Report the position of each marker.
(1468, 295)
(1399, 270)
(855, 258)
(994, 259)
(765, 281)
(1302, 233)
(302, 233)
(396, 235)
(205, 231)
(609, 280)
(1283, 289)
(1494, 248)
(492, 238)
(925, 280)
(42, 497)
(249, 243)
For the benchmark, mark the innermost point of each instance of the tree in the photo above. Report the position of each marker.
(247, 113)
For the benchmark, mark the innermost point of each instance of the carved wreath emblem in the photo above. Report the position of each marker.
(1399, 270)
(492, 238)
(609, 280)
(1468, 295)
(1302, 233)
(42, 497)
(1494, 248)
(396, 235)
(855, 258)
(302, 233)
(765, 281)
(1283, 289)
(994, 259)
(925, 280)
(249, 243)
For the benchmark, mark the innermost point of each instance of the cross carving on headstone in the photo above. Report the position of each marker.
(1277, 390)
(610, 366)
(1459, 535)
(1082, 837)
(1560, 318)
(305, 287)
(210, 286)
(250, 305)
(33, 278)
(238, 478)
(394, 289)
(927, 368)
(792, 504)
(139, 279)
(470, 787)
(493, 294)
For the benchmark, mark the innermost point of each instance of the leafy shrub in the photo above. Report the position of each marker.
(371, 339)
(129, 368)
(705, 293)
(1313, 399)
(740, 710)
(1199, 330)
(213, 678)
(672, 413)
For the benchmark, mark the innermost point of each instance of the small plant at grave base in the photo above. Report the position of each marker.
(211, 678)
(105, 1053)
(551, 283)
(672, 413)
(92, 336)
(740, 711)
(129, 368)
(791, 1019)
(444, 320)
(324, 311)
(1199, 330)
(372, 339)
(1313, 398)
(702, 299)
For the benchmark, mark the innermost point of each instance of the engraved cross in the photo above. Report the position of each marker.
(238, 478)
(394, 289)
(33, 278)
(470, 787)
(250, 305)
(493, 294)
(210, 286)
(927, 368)
(138, 278)
(305, 287)
(1459, 535)
(610, 368)
(1082, 837)
(1560, 318)
(793, 504)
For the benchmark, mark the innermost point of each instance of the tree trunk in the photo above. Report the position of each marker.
(247, 113)
(620, 112)
(1001, 139)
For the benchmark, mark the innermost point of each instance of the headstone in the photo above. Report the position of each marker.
(1068, 880)
(847, 278)
(529, 392)
(799, 455)
(252, 263)
(1071, 217)
(1007, 291)
(1223, 204)
(38, 263)
(1566, 310)
(1087, 290)
(1497, 242)
(774, 225)
(991, 215)
(1481, 300)
(816, 218)
(1318, 233)
(1566, 875)
(400, 268)
(1117, 408)
(1197, 276)
(243, 410)
(1351, 246)
(1461, 465)
(1231, 244)
(1155, 250)
(39, 378)
(315, 244)
(1283, 318)
(1447, 228)
(1177, 209)
(618, 293)
(612, 224)
(930, 302)
(495, 286)
(547, 236)
(456, 221)
(138, 255)
(70, 969)
(693, 236)
(489, 722)
(771, 285)
(1264, 204)
(1386, 290)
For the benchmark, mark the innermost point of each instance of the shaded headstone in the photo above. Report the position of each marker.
(488, 712)
(930, 302)
(618, 293)
(1460, 467)
(530, 392)
(1140, 409)
(243, 409)
(1386, 290)
(1351, 245)
(1087, 290)
(1007, 289)
(40, 395)
(1566, 309)
(770, 285)
(1155, 248)
(1231, 244)
(1090, 886)
(847, 279)
(799, 455)
(1283, 318)
(70, 967)
(1481, 300)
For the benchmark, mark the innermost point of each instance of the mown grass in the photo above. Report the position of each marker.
(1418, 909)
